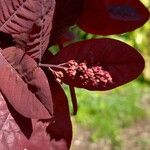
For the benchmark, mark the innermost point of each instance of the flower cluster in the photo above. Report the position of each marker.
(86, 75)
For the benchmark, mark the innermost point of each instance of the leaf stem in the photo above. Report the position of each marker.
(73, 99)
(52, 66)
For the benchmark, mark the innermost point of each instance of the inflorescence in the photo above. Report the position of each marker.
(94, 75)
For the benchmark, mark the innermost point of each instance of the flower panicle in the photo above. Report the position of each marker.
(86, 75)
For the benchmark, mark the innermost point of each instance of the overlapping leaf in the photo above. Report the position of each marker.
(18, 132)
(11, 136)
(41, 31)
(29, 22)
(5, 40)
(24, 84)
(109, 64)
(61, 129)
(108, 17)
(66, 14)
(65, 38)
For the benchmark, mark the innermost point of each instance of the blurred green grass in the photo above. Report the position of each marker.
(105, 114)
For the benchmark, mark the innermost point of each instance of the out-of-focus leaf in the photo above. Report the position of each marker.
(108, 17)
(66, 14)
(66, 37)
(47, 57)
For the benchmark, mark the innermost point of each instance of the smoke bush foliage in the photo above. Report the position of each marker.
(34, 113)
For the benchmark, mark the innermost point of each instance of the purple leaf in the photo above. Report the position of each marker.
(24, 84)
(5, 40)
(20, 133)
(11, 136)
(29, 22)
(98, 64)
(106, 17)
(61, 129)
(66, 15)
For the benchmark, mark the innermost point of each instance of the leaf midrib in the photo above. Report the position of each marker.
(15, 12)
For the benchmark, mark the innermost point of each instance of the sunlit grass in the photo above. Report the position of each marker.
(106, 113)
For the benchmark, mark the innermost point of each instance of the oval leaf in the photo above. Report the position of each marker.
(108, 17)
(99, 64)
(24, 84)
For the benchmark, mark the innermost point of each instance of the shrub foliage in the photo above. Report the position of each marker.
(34, 111)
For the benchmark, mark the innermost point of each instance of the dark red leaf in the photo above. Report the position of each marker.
(24, 84)
(11, 136)
(20, 133)
(74, 100)
(98, 64)
(106, 17)
(5, 40)
(66, 14)
(29, 22)
(61, 129)
(66, 37)
(47, 57)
